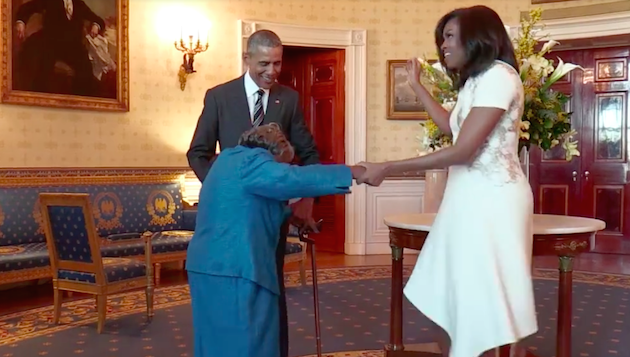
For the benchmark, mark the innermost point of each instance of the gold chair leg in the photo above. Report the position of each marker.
(149, 292)
(58, 299)
(303, 272)
(101, 306)
(157, 270)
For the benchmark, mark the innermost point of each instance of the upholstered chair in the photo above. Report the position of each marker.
(75, 256)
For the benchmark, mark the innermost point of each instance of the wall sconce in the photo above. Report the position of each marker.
(189, 50)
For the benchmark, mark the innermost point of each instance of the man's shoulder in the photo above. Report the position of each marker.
(286, 91)
(226, 86)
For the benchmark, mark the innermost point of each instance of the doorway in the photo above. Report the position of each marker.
(597, 183)
(319, 77)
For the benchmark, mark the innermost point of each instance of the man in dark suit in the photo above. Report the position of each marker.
(232, 108)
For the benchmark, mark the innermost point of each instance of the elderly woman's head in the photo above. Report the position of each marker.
(269, 137)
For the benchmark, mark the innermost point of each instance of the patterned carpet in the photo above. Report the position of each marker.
(355, 314)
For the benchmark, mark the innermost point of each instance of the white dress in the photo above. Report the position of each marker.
(473, 275)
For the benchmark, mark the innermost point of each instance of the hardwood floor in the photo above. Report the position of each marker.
(33, 296)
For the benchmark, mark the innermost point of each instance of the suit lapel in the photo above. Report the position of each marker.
(274, 104)
(241, 107)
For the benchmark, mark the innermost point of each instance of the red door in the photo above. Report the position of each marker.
(319, 76)
(556, 183)
(595, 184)
(605, 145)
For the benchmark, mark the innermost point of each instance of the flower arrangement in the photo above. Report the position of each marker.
(544, 123)
(441, 87)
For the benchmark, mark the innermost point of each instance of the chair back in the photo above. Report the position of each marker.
(73, 244)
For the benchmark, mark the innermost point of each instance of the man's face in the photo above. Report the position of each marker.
(265, 64)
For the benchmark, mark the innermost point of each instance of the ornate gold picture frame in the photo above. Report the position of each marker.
(402, 103)
(66, 56)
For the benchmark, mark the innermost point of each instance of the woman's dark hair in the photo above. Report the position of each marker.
(262, 137)
(484, 38)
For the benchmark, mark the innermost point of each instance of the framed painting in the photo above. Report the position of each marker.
(536, 2)
(402, 102)
(66, 53)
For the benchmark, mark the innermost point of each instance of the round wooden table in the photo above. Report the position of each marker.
(563, 236)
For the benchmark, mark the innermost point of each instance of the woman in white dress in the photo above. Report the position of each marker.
(473, 275)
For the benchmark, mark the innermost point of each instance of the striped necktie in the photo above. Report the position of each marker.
(259, 113)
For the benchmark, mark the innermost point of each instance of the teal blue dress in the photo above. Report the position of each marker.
(231, 261)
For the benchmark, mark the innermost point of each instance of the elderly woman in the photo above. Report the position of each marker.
(231, 257)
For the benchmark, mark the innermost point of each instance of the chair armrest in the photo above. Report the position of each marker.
(122, 238)
(300, 242)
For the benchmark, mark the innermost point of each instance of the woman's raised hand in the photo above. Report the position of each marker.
(413, 70)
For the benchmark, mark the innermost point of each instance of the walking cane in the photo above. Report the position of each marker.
(310, 243)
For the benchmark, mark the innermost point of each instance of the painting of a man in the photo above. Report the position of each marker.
(65, 47)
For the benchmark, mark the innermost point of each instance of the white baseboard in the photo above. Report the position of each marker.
(390, 198)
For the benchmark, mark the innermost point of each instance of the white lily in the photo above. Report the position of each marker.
(438, 66)
(570, 146)
(570, 149)
(561, 70)
(548, 46)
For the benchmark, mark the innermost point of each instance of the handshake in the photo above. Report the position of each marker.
(369, 173)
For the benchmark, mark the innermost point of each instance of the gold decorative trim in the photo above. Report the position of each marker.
(573, 245)
(161, 201)
(108, 204)
(21, 275)
(579, 11)
(8, 249)
(17, 177)
(1, 221)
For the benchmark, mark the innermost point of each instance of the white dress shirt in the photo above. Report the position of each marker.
(250, 91)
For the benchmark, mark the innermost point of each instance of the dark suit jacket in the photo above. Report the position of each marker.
(225, 117)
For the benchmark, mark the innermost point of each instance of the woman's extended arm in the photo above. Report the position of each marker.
(495, 91)
(439, 115)
(476, 129)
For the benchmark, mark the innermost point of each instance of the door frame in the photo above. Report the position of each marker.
(353, 41)
(583, 26)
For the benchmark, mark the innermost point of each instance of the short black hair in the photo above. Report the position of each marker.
(484, 37)
(259, 137)
(262, 38)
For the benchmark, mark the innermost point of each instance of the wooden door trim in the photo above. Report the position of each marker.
(353, 41)
(583, 27)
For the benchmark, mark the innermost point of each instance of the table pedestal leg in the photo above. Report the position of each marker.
(396, 323)
(565, 304)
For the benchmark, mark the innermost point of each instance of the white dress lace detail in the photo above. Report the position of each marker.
(498, 156)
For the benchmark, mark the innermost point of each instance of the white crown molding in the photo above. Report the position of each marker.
(353, 41)
(583, 27)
